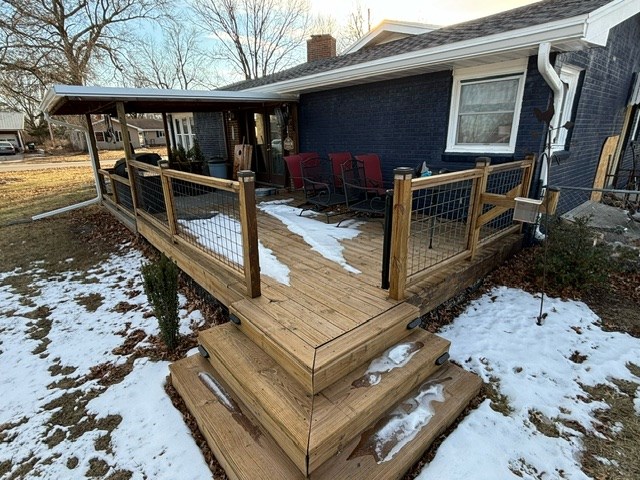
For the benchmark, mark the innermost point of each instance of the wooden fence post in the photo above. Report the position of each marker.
(476, 205)
(172, 219)
(249, 222)
(400, 228)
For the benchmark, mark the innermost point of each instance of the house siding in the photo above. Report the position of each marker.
(602, 102)
(405, 121)
(209, 130)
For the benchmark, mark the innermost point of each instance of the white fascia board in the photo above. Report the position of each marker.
(390, 26)
(601, 21)
(559, 31)
(57, 93)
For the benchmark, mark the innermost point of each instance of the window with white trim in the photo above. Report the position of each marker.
(569, 76)
(184, 129)
(485, 108)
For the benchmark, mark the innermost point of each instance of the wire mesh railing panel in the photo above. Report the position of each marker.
(149, 193)
(123, 195)
(501, 183)
(438, 224)
(209, 219)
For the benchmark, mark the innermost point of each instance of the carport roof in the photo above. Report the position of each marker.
(80, 100)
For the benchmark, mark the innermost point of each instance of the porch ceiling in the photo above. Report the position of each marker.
(80, 100)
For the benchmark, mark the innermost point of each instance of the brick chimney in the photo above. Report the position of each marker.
(321, 46)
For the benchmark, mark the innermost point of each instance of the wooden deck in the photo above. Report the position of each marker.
(287, 383)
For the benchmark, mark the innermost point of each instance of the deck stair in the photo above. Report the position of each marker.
(268, 424)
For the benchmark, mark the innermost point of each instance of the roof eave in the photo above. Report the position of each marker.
(572, 30)
(58, 95)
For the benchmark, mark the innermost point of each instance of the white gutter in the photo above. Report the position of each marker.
(96, 177)
(553, 80)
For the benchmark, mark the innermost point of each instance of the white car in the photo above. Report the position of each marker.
(7, 148)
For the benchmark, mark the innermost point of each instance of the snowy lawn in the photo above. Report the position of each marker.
(62, 416)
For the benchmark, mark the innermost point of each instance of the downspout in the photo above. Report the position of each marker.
(96, 176)
(553, 80)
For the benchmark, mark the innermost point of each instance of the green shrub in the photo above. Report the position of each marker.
(161, 286)
(572, 259)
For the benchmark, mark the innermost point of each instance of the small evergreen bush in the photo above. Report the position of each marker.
(572, 259)
(161, 286)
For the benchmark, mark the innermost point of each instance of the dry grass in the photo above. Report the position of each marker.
(27, 193)
(108, 156)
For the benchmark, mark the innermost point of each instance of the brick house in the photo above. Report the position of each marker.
(448, 95)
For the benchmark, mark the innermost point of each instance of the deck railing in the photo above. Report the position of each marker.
(116, 191)
(445, 218)
(211, 217)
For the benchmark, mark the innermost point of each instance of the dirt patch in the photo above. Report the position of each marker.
(543, 424)
(614, 451)
(91, 301)
(97, 468)
(72, 463)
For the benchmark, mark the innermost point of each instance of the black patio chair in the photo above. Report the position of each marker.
(319, 186)
(362, 198)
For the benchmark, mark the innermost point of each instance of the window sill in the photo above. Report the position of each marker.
(481, 149)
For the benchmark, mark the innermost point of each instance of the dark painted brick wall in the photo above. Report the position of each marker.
(210, 134)
(404, 121)
(601, 107)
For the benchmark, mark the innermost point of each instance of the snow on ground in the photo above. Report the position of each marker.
(223, 235)
(151, 441)
(541, 370)
(497, 338)
(322, 237)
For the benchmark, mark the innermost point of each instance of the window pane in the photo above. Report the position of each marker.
(493, 128)
(492, 96)
(177, 122)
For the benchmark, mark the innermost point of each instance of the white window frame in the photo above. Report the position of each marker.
(187, 135)
(569, 75)
(486, 73)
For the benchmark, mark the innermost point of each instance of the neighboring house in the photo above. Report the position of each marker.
(144, 132)
(454, 93)
(12, 128)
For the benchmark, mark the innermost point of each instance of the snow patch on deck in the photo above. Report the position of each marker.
(322, 237)
(222, 235)
(217, 390)
(396, 357)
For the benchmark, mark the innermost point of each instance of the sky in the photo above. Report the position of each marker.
(439, 12)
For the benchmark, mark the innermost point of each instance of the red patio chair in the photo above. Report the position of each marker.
(295, 170)
(373, 171)
(337, 160)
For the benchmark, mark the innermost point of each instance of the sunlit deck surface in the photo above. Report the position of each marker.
(319, 324)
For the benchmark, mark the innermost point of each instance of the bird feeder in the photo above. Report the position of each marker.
(526, 210)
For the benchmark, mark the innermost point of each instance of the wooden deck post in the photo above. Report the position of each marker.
(93, 149)
(249, 222)
(128, 152)
(480, 187)
(167, 190)
(400, 228)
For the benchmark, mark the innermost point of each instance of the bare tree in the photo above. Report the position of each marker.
(357, 25)
(258, 37)
(174, 61)
(59, 40)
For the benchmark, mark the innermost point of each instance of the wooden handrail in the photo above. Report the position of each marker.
(444, 178)
(222, 184)
(505, 167)
(144, 166)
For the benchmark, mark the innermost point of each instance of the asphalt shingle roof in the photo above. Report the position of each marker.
(523, 17)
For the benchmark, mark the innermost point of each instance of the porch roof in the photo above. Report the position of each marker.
(80, 100)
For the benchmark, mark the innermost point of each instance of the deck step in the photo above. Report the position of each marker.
(243, 448)
(312, 429)
(360, 460)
